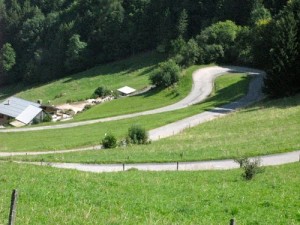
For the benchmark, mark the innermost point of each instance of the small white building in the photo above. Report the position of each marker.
(126, 90)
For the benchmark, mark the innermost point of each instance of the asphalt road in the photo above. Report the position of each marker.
(202, 87)
(269, 160)
(203, 80)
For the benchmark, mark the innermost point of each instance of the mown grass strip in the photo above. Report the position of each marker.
(56, 196)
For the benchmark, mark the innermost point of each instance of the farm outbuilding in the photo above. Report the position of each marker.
(19, 112)
(126, 90)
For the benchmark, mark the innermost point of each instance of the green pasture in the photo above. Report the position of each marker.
(132, 72)
(265, 128)
(56, 196)
(229, 88)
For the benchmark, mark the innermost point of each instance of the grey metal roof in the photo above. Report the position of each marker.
(126, 90)
(14, 106)
(28, 114)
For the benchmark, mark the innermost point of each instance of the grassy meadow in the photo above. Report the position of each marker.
(152, 99)
(134, 72)
(227, 89)
(55, 196)
(265, 128)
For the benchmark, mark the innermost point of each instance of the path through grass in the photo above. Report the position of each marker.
(231, 87)
(56, 196)
(266, 128)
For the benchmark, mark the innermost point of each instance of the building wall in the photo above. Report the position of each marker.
(3, 119)
(39, 118)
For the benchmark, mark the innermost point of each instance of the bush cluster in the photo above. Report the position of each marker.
(250, 167)
(168, 74)
(137, 135)
(101, 92)
(109, 141)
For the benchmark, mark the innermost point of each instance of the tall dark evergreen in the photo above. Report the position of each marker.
(284, 75)
(53, 38)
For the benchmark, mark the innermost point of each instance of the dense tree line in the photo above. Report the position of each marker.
(47, 39)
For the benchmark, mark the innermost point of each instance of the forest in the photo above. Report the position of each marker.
(47, 39)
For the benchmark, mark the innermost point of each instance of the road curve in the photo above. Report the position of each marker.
(268, 160)
(203, 80)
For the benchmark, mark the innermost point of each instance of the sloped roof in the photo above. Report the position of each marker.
(14, 106)
(28, 114)
(17, 123)
(126, 90)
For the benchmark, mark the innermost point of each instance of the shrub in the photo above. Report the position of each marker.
(87, 107)
(47, 118)
(241, 161)
(137, 135)
(101, 92)
(251, 168)
(109, 141)
(167, 74)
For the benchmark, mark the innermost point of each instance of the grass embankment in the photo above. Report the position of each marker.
(266, 128)
(55, 196)
(133, 72)
(228, 88)
(152, 99)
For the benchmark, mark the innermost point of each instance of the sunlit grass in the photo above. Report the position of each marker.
(234, 86)
(56, 196)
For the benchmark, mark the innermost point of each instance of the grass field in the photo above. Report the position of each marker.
(132, 72)
(266, 128)
(55, 196)
(150, 100)
(229, 88)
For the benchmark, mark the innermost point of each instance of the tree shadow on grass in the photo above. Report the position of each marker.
(228, 94)
(150, 93)
(122, 67)
(281, 103)
(125, 66)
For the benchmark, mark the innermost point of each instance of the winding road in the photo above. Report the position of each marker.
(269, 160)
(203, 80)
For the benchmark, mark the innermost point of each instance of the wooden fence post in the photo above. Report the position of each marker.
(232, 221)
(13, 207)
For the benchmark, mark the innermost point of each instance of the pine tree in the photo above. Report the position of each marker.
(283, 78)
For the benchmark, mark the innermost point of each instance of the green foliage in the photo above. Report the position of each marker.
(283, 78)
(251, 168)
(259, 13)
(243, 47)
(7, 57)
(102, 92)
(218, 40)
(47, 118)
(182, 23)
(54, 38)
(137, 135)
(184, 53)
(168, 73)
(109, 141)
(213, 53)
(75, 53)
